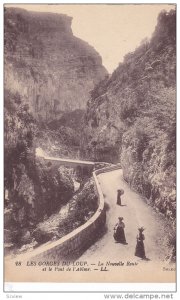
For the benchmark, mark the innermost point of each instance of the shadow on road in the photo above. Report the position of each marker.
(146, 259)
(107, 207)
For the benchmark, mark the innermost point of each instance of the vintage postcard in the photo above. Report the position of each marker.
(90, 143)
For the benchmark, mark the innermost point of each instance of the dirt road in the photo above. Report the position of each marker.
(135, 212)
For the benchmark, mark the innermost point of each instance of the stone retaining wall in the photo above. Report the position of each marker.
(75, 243)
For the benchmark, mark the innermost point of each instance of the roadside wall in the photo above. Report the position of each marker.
(76, 242)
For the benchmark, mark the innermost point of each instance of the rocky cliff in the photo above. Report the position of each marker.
(33, 188)
(131, 117)
(46, 64)
(48, 76)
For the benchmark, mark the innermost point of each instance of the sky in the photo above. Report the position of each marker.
(113, 30)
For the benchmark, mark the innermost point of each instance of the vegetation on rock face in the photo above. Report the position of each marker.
(62, 137)
(72, 215)
(131, 117)
(33, 189)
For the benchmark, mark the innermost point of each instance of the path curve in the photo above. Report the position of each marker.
(136, 212)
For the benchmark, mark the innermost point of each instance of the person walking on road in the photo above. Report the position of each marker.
(119, 194)
(119, 234)
(140, 250)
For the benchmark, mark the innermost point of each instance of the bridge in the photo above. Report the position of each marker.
(82, 167)
(69, 162)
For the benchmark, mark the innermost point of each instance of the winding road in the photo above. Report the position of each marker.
(136, 212)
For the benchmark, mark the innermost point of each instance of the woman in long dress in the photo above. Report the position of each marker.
(140, 251)
(119, 194)
(119, 234)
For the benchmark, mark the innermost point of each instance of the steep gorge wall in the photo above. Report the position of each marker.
(131, 117)
(51, 69)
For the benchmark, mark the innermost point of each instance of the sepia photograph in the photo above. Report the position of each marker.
(89, 143)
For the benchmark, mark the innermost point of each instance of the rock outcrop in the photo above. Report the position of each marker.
(51, 69)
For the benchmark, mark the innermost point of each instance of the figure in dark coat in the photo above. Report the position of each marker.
(119, 234)
(119, 194)
(140, 251)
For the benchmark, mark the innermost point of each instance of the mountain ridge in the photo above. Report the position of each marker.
(46, 64)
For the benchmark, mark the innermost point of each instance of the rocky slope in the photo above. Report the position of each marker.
(46, 64)
(33, 188)
(131, 117)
